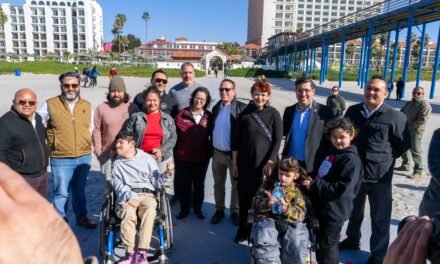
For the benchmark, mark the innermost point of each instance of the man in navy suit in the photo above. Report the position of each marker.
(303, 125)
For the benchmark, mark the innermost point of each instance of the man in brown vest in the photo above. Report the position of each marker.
(69, 122)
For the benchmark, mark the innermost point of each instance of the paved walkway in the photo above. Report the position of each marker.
(198, 241)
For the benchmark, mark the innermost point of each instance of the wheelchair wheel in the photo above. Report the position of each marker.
(168, 221)
(103, 235)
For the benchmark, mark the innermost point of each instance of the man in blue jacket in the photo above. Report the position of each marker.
(383, 137)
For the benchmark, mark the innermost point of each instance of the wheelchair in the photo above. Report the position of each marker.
(110, 228)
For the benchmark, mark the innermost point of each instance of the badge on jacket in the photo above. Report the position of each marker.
(325, 166)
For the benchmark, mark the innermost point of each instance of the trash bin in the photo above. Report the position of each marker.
(17, 72)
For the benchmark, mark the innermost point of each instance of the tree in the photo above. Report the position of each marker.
(228, 48)
(67, 55)
(118, 25)
(377, 54)
(134, 42)
(146, 17)
(124, 42)
(350, 50)
(3, 18)
(415, 52)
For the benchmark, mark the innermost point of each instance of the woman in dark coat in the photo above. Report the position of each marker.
(255, 148)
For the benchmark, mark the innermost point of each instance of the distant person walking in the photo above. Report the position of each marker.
(336, 103)
(417, 111)
(399, 85)
(390, 87)
(113, 72)
(85, 77)
(216, 71)
(94, 74)
(225, 70)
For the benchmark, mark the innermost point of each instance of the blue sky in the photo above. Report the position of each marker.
(197, 20)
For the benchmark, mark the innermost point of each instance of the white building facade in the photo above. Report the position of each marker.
(41, 27)
(269, 17)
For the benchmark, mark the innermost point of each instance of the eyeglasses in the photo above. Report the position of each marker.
(225, 89)
(73, 85)
(25, 102)
(158, 80)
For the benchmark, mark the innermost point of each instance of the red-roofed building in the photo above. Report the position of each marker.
(251, 50)
(161, 48)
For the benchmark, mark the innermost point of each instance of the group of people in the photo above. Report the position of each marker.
(90, 76)
(330, 162)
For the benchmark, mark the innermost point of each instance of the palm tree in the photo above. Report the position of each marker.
(146, 17)
(67, 55)
(3, 18)
(350, 50)
(117, 27)
(124, 42)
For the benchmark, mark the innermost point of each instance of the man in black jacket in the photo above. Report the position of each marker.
(168, 104)
(224, 116)
(303, 125)
(22, 141)
(383, 137)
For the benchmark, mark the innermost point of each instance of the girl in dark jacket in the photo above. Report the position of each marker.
(335, 187)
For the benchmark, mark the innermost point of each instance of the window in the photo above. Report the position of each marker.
(62, 12)
(34, 20)
(316, 19)
(300, 19)
(334, 7)
(334, 1)
(334, 14)
(308, 19)
(23, 44)
(309, 6)
(81, 29)
(43, 45)
(34, 27)
(41, 12)
(64, 45)
(300, 5)
(63, 29)
(324, 19)
(63, 21)
(56, 21)
(22, 35)
(14, 27)
(34, 11)
(279, 7)
(43, 28)
(15, 44)
(35, 36)
(289, 16)
(13, 11)
(317, 6)
(82, 45)
(279, 15)
(317, 13)
(278, 23)
(63, 37)
(342, 14)
(301, 12)
(81, 12)
(289, 7)
(56, 29)
(287, 24)
(277, 31)
(350, 8)
(81, 21)
(43, 36)
(14, 36)
(14, 19)
(326, 7)
(308, 25)
(55, 12)
(309, 12)
(21, 19)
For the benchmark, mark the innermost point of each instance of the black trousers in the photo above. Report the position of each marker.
(245, 202)
(328, 241)
(190, 183)
(379, 197)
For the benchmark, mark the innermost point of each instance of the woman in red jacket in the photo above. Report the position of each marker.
(192, 152)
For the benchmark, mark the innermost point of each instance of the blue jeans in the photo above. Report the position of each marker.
(70, 175)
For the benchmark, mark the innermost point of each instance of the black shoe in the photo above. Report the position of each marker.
(348, 245)
(243, 234)
(217, 217)
(199, 214)
(182, 215)
(86, 224)
(235, 219)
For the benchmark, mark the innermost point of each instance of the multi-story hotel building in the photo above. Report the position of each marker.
(269, 17)
(41, 27)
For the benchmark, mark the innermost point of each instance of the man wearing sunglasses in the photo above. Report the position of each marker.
(23, 141)
(69, 122)
(224, 114)
(168, 104)
(417, 111)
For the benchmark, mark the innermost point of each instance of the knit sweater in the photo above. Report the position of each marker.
(141, 171)
(108, 122)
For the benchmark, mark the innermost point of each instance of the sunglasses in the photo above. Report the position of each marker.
(25, 102)
(74, 85)
(158, 80)
(225, 89)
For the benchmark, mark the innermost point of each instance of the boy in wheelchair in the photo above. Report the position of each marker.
(288, 228)
(135, 177)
